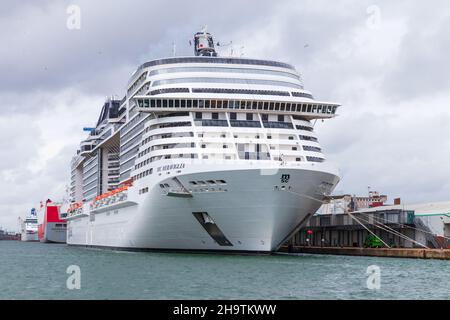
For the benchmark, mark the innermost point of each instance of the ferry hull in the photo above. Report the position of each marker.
(54, 233)
(53, 229)
(29, 237)
(252, 212)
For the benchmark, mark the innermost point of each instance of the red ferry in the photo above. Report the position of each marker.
(53, 229)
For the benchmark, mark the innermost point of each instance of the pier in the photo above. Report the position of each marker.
(403, 231)
(417, 253)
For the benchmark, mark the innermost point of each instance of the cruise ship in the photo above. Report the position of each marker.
(29, 227)
(205, 153)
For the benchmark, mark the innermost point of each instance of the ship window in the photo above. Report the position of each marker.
(166, 185)
(207, 104)
(249, 116)
(221, 181)
(215, 116)
(280, 118)
(294, 148)
(227, 80)
(265, 117)
(233, 116)
(152, 103)
(266, 105)
(161, 186)
(308, 138)
(315, 159)
(164, 103)
(211, 182)
(193, 183)
(271, 106)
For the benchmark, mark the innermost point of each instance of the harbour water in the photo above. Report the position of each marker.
(38, 271)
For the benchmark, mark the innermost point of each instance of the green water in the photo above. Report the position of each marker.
(38, 271)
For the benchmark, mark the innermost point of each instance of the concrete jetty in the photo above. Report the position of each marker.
(417, 253)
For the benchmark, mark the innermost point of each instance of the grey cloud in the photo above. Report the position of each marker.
(382, 138)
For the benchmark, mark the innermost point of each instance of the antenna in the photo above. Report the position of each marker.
(174, 49)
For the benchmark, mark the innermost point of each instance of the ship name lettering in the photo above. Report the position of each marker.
(171, 167)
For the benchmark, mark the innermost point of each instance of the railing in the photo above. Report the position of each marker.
(391, 217)
(254, 155)
(245, 124)
(211, 123)
(277, 125)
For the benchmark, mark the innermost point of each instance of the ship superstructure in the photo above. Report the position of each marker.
(202, 153)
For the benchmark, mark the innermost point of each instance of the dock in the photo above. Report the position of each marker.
(415, 253)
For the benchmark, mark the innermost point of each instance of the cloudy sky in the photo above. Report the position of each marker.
(386, 62)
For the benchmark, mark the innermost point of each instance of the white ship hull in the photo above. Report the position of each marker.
(254, 211)
(29, 237)
(54, 233)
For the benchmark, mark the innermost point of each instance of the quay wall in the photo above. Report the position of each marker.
(442, 254)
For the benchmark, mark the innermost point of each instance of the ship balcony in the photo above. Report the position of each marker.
(175, 118)
(289, 105)
(211, 123)
(244, 155)
(86, 147)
